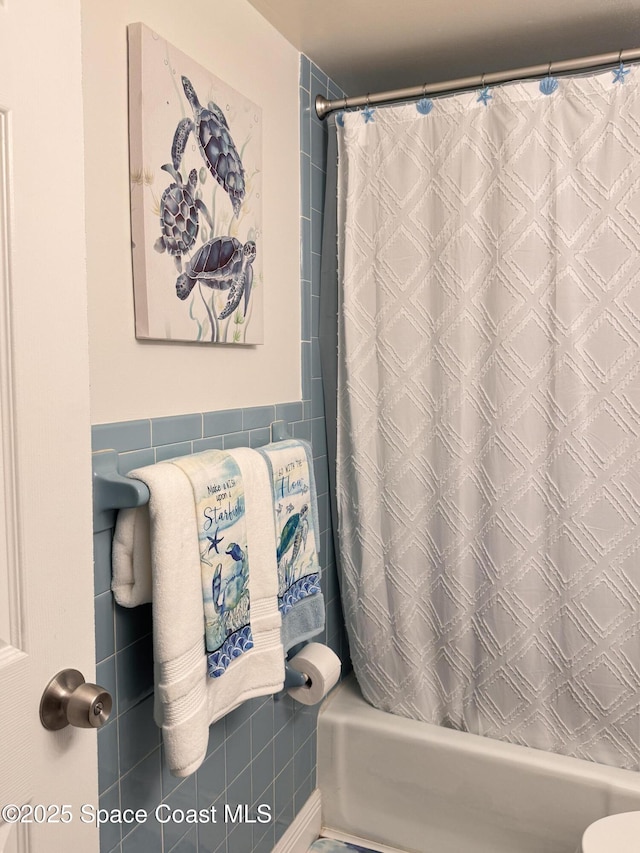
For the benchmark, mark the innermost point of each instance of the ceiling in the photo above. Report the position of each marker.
(376, 45)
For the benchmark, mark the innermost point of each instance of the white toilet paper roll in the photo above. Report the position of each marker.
(322, 668)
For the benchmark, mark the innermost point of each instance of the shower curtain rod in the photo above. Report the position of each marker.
(324, 106)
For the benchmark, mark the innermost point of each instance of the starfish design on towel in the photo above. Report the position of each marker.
(620, 73)
(215, 540)
(368, 115)
(484, 96)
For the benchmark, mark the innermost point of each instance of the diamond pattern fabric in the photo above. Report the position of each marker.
(488, 470)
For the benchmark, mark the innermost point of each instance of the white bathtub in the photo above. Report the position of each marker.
(425, 789)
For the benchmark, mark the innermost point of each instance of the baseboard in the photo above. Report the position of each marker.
(373, 846)
(305, 829)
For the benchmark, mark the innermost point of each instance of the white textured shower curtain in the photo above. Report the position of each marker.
(488, 448)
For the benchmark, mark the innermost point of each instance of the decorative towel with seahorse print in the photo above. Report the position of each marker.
(296, 519)
(224, 557)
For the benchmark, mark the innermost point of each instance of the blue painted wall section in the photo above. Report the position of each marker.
(265, 751)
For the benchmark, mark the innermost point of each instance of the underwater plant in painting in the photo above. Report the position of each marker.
(189, 124)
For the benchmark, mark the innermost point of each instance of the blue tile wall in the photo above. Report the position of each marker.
(265, 751)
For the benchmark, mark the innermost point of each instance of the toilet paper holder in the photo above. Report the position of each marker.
(316, 669)
(293, 677)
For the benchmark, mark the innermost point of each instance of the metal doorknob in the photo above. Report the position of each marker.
(69, 701)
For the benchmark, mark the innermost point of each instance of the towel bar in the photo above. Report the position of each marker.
(113, 491)
(280, 431)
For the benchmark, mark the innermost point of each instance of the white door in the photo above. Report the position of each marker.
(46, 575)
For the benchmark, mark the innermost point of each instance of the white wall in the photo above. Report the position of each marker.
(141, 379)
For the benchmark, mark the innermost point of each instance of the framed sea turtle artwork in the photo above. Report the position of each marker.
(195, 154)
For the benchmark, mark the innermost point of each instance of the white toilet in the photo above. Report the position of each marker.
(617, 833)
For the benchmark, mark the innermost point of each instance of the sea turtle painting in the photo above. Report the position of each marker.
(223, 263)
(211, 131)
(179, 209)
(196, 188)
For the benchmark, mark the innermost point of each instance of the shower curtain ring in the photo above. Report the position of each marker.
(549, 69)
(345, 102)
(482, 86)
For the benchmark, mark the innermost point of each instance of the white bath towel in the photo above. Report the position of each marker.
(131, 558)
(186, 700)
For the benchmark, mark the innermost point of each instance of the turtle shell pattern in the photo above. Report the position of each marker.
(221, 154)
(179, 216)
(217, 259)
